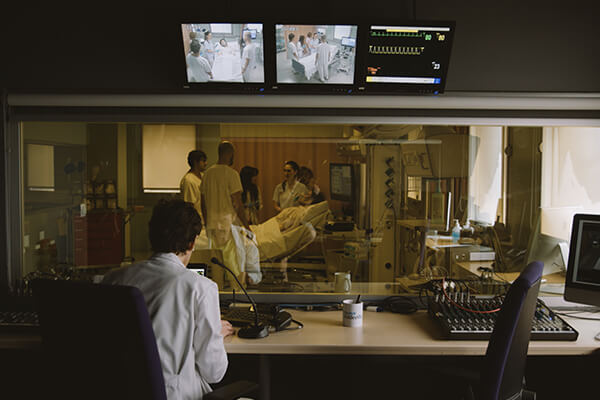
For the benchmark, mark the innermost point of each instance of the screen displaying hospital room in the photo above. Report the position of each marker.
(230, 53)
(315, 53)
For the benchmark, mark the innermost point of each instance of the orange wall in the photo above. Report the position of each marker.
(269, 156)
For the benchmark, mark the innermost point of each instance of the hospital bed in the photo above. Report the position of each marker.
(227, 68)
(290, 231)
(286, 234)
(308, 62)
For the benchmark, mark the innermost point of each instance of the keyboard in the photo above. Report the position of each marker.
(19, 321)
(243, 317)
(455, 323)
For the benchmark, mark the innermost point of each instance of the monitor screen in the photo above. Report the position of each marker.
(315, 54)
(252, 33)
(341, 181)
(411, 58)
(199, 269)
(348, 41)
(223, 53)
(583, 273)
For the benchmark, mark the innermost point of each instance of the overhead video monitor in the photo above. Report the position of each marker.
(408, 58)
(223, 53)
(316, 54)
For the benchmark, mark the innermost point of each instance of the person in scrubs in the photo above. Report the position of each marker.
(198, 68)
(322, 59)
(290, 192)
(209, 48)
(311, 42)
(193, 355)
(250, 64)
(292, 48)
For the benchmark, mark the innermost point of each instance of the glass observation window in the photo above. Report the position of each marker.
(378, 203)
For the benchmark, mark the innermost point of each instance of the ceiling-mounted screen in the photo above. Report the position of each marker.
(315, 54)
(408, 58)
(223, 52)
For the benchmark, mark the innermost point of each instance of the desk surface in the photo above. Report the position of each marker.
(386, 333)
(382, 333)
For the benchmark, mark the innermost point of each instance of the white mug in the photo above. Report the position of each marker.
(352, 313)
(342, 283)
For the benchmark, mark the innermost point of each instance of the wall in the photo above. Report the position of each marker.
(503, 46)
(267, 147)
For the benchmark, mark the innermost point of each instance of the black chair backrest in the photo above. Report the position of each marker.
(504, 365)
(98, 340)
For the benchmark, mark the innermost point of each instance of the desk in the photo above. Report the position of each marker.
(382, 333)
(386, 334)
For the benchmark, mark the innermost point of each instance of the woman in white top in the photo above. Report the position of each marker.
(209, 48)
(290, 192)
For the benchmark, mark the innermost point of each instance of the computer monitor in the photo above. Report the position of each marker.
(252, 33)
(348, 41)
(583, 273)
(341, 181)
(409, 59)
(318, 55)
(220, 60)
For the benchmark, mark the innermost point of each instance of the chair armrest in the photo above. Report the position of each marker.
(232, 391)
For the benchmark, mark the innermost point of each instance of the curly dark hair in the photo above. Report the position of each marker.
(173, 226)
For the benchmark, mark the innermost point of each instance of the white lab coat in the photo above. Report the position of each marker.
(184, 308)
(323, 60)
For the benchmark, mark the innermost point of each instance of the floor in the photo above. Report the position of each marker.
(285, 73)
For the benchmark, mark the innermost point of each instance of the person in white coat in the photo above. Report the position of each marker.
(192, 355)
(322, 59)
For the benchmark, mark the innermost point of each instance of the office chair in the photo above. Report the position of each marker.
(502, 373)
(99, 343)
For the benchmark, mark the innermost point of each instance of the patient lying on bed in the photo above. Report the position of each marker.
(289, 231)
(281, 236)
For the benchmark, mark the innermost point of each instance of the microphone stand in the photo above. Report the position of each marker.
(257, 330)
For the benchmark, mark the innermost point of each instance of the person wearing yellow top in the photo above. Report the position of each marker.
(191, 181)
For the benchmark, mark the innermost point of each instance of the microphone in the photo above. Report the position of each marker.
(257, 330)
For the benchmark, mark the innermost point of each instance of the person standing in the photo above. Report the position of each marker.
(209, 48)
(251, 197)
(311, 42)
(322, 59)
(292, 49)
(199, 69)
(250, 65)
(221, 192)
(193, 355)
(191, 181)
(302, 47)
(290, 192)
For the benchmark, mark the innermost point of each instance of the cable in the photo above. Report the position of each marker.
(461, 307)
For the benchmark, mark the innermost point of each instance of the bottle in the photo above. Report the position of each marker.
(455, 232)
(467, 230)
